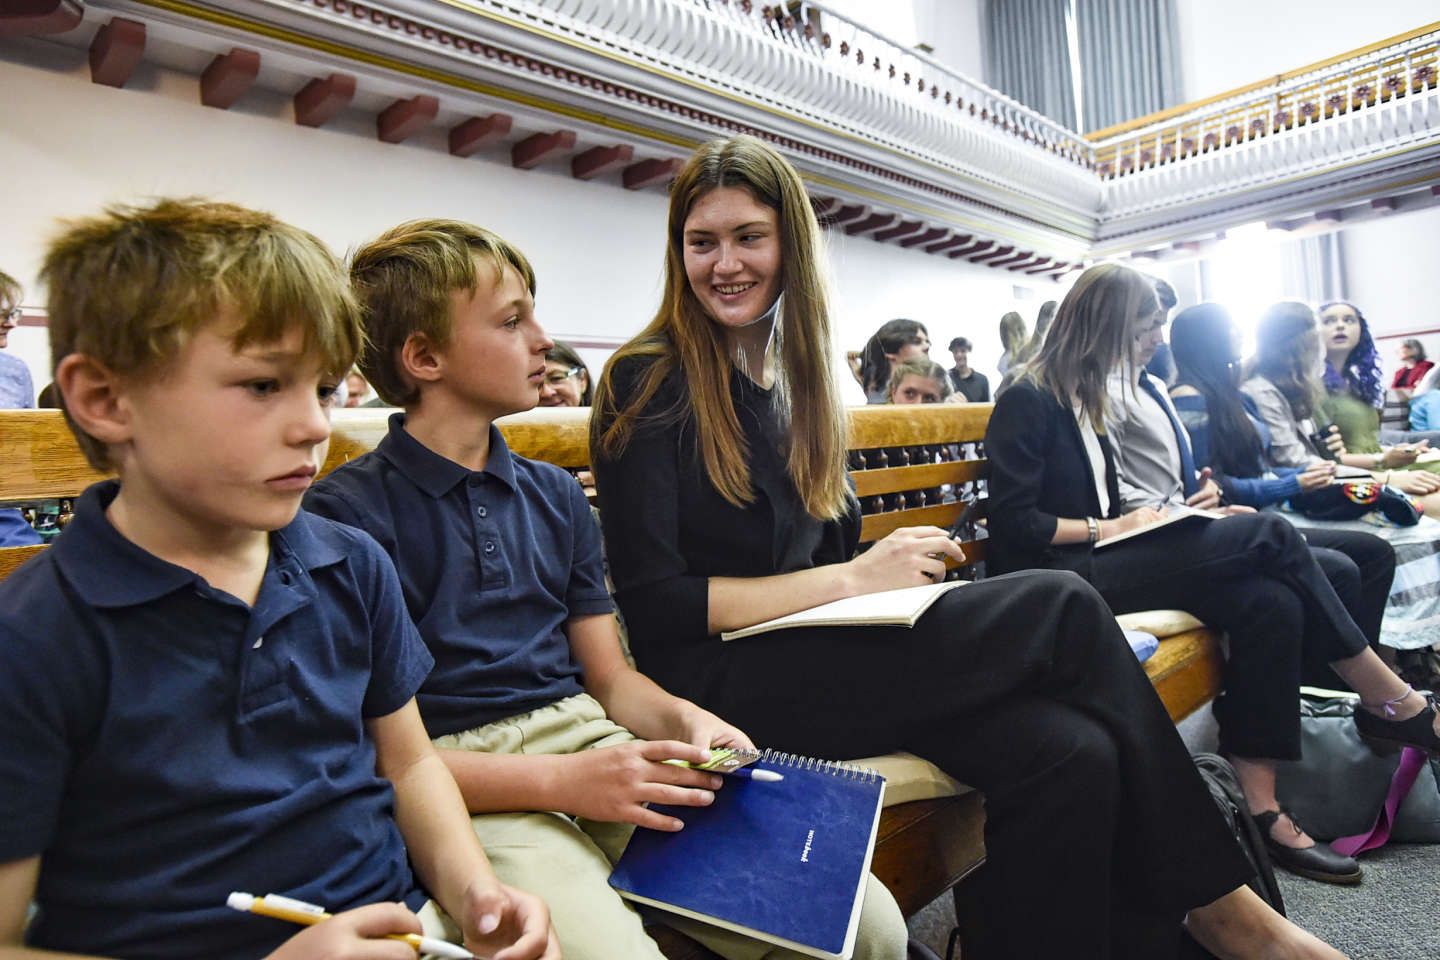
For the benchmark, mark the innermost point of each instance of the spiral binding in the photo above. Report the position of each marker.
(834, 768)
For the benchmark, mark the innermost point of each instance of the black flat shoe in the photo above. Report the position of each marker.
(1416, 731)
(1318, 862)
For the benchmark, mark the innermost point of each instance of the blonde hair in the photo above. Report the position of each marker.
(1091, 335)
(404, 279)
(130, 286)
(683, 338)
(1012, 335)
(927, 369)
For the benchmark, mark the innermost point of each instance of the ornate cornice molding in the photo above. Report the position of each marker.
(622, 89)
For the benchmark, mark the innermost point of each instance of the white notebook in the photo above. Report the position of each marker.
(894, 608)
(1176, 514)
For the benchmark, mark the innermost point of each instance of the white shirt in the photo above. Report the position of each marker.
(1093, 450)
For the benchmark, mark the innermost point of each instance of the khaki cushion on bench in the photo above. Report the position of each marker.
(1160, 623)
(907, 778)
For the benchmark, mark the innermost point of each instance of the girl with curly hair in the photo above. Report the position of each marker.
(1355, 390)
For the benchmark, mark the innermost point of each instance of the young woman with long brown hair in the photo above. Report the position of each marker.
(718, 448)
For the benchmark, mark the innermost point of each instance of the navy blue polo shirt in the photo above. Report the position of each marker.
(492, 564)
(162, 743)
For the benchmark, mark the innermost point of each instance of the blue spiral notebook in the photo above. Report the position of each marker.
(783, 862)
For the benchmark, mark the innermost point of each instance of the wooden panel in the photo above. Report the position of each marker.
(558, 435)
(41, 458)
(12, 557)
(926, 846)
(920, 476)
(878, 425)
(879, 525)
(1186, 671)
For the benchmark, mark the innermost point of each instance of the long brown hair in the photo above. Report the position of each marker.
(1091, 335)
(682, 336)
(1287, 353)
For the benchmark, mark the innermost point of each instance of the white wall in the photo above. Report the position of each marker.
(1390, 272)
(954, 30)
(71, 146)
(1232, 43)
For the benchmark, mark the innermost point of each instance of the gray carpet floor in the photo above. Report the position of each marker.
(1394, 914)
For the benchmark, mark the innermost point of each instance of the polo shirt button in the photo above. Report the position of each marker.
(482, 511)
(489, 547)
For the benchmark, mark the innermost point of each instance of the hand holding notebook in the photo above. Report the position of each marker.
(785, 862)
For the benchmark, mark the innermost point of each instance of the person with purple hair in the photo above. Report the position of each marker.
(1355, 390)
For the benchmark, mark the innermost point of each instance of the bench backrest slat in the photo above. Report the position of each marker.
(39, 459)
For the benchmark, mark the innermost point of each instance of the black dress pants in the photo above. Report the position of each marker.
(1361, 568)
(1254, 577)
(1099, 833)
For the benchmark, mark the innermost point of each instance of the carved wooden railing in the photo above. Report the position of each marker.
(1352, 83)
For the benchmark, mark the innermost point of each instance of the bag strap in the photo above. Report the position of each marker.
(1412, 761)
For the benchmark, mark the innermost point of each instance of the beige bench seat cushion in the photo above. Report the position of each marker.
(1160, 623)
(907, 778)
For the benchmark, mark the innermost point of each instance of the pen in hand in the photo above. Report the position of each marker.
(732, 763)
(307, 914)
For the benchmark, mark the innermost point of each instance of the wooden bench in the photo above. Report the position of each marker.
(931, 832)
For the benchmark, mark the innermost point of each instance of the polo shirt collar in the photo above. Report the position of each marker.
(436, 475)
(108, 570)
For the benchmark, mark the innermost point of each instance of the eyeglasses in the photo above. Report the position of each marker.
(13, 314)
(557, 377)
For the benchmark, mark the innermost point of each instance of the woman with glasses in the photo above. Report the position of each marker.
(17, 389)
(567, 379)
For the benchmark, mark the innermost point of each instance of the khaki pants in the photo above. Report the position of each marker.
(567, 861)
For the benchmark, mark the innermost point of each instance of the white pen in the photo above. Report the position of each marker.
(307, 914)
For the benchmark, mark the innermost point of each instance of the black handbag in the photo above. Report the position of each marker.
(1225, 790)
(1338, 786)
(1352, 499)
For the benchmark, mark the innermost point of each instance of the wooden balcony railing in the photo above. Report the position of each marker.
(1375, 75)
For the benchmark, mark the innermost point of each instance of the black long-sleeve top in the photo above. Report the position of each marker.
(667, 529)
(1039, 474)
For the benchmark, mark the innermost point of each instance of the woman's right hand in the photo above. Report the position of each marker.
(1317, 475)
(1133, 520)
(909, 557)
(357, 934)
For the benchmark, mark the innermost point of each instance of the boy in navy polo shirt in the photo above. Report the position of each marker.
(202, 689)
(531, 702)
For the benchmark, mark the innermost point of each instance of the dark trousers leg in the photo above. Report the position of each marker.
(1023, 687)
(1365, 565)
(1255, 578)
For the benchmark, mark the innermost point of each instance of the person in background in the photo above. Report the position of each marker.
(1413, 367)
(16, 392)
(1283, 378)
(1161, 366)
(1229, 439)
(719, 448)
(1012, 339)
(567, 379)
(355, 388)
(895, 341)
(918, 381)
(966, 381)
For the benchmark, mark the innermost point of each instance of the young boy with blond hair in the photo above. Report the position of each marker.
(203, 689)
(556, 741)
